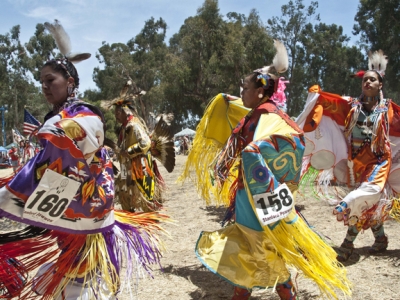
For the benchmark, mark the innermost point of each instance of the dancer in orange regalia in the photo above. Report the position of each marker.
(352, 137)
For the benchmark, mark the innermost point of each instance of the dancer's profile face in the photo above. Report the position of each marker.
(54, 85)
(371, 84)
(120, 115)
(250, 93)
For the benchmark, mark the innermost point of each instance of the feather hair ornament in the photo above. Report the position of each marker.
(127, 96)
(63, 42)
(163, 141)
(377, 61)
(280, 63)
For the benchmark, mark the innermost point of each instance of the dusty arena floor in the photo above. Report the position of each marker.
(182, 276)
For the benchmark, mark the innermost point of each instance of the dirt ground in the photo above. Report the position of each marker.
(182, 276)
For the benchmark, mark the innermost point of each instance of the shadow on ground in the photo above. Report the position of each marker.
(392, 255)
(209, 285)
(217, 213)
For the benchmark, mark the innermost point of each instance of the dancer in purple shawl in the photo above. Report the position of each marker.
(65, 196)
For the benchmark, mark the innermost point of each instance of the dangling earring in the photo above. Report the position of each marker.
(260, 95)
(70, 90)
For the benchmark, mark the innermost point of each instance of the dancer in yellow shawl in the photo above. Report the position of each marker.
(261, 164)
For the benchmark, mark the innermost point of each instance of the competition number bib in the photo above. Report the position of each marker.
(51, 198)
(273, 206)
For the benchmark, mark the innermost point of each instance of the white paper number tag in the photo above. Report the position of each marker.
(51, 198)
(273, 206)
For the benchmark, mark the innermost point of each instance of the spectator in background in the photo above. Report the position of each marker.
(14, 159)
(21, 151)
(29, 151)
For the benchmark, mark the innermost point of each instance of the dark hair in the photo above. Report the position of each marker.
(257, 83)
(65, 67)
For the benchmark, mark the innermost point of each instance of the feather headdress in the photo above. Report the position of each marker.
(377, 61)
(279, 65)
(280, 62)
(163, 141)
(127, 96)
(63, 42)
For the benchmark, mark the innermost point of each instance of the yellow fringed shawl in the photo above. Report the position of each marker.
(214, 129)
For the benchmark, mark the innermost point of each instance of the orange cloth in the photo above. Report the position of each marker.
(328, 104)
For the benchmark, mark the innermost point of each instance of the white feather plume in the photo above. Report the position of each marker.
(281, 60)
(377, 61)
(280, 63)
(60, 36)
(263, 70)
(63, 42)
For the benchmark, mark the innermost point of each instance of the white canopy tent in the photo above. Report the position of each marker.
(186, 131)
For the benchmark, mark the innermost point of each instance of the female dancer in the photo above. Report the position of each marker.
(361, 152)
(65, 194)
(261, 163)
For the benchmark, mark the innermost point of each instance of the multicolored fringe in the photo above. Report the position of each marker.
(307, 252)
(308, 180)
(317, 183)
(133, 242)
(395, 210)
(17, 276)
(230, 211)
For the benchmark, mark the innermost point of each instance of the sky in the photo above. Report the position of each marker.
(90, 22)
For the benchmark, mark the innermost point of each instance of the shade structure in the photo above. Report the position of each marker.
(9, 146)
(186, 131)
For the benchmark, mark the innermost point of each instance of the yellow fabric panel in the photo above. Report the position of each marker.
(214, 129)
(243, 256)
(222, 117)
(270, 124)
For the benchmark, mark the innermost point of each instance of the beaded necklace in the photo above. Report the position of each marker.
(372, 116)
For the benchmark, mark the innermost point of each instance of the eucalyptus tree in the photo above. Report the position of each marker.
(209, 55)
(378, 23)
(16, 86)
(288, 28)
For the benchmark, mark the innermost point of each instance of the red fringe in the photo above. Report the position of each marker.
(33, 253)
(158, 176)
(15, 274)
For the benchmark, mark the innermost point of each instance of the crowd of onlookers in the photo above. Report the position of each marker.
(18, 156)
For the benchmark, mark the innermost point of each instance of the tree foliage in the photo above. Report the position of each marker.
(378, 23)
(208, 55)
(318, 53)
(16, 87)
